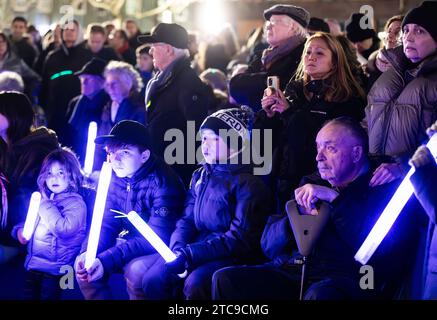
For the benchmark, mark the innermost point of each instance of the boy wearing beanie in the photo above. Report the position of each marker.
(226, 210)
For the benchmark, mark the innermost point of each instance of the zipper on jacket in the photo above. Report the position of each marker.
(202, 188)
(128, 189)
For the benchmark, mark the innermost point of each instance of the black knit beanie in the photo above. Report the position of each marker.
(425, 16)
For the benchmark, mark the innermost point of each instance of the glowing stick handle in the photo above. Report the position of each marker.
(99, 209)
(32, 215)
(153, 238)
(90, 148)
(391, 212)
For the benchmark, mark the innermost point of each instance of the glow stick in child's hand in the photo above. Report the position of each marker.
(32, 215)
(99, 209)
(153, 238)
(90, 148)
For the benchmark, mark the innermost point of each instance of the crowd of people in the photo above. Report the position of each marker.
(347, 114)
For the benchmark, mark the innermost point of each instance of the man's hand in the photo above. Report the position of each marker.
(431, 130)
(177, 266)
(385, 173)
(307, 195)
(421, 157)
(20, 237)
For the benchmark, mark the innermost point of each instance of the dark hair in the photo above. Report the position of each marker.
(16, 107)
(354, 128)
(97, 28)
(143, 49)
(20, 19)
(66, 158)
(6, 39)
(123, 34)
(114, 145)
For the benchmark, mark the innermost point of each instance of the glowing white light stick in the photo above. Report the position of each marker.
(391, 212)
(32, 215)
(99, 209)
(90, 148)
(153, 238)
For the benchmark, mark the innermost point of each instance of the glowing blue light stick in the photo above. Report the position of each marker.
(153, 238)
(99, 208)
(90, 148)
(32, 215)
(391, 212)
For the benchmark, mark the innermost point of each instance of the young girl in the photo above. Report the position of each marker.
(60, 228)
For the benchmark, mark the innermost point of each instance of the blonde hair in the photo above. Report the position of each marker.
(127, 71)
(343, 84)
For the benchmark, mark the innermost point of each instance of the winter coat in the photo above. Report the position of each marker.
(60, 85)
(248, 88)
(23, 163)
(423, 180)
(225, 212)
(30, 78)
(156, 193)
(352, 215)
(295, 130)
(179, 98)
(24, 50)
(401, 105)
(81, 111)
(59, 233)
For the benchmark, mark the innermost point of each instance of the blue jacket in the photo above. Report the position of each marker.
(424, 180)
(59, 233)
(225, 212)
(156, 193)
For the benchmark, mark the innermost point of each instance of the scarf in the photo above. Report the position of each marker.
(273, 54)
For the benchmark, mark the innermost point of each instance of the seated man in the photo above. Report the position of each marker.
(332, 272)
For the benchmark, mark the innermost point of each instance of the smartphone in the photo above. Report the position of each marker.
(273, 82)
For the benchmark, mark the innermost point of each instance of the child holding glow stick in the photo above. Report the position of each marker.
(60, 228)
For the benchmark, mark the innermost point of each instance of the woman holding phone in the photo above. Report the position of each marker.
(324, 89)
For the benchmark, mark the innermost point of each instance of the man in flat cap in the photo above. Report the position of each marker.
(175, 94)
(286, 34)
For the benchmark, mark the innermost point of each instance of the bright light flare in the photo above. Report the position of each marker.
(90, 148)
(32, 215)
(391, 212)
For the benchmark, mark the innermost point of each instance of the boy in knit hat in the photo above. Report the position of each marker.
(226, 210)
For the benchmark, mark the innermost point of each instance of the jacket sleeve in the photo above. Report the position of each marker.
(166, 207)
(65, 223)
(243, 237)
(277, 238)
(423, 180)
(186, 230)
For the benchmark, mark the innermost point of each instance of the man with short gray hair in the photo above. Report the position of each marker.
(285, 33)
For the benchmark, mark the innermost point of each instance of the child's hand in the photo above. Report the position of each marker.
(20, 237)
(96, 271)
(79, 266)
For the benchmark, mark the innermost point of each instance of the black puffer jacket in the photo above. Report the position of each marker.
(295, 130)
(226, 210)
(156, 193)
